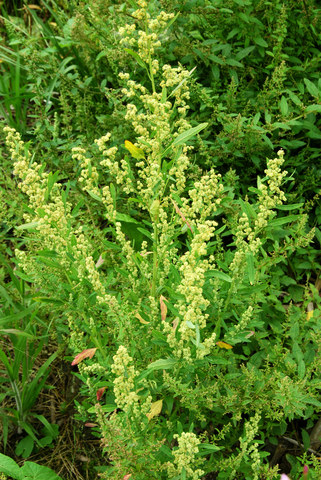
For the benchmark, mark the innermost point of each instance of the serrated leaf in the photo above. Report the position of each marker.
(155, 409)
(88, 353)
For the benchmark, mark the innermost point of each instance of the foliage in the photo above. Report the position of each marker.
(189, 299)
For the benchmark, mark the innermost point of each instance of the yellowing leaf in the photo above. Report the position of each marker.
(136, 152)
(140, 318)
(88, 353)
(155, 409)
(224, 345)
(175, 323)
(163, 308)
(310, 311)
(34, 7)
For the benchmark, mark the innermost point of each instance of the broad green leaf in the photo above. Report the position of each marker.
(312, 88)
(33, 471)
(313, 108)
(261, 42)
(284, 106)
(10, 468)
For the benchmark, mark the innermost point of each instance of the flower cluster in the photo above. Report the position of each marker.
(271, 195)
(184, 457)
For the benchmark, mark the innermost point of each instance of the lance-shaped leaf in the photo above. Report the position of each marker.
(155, 409)
(224, 345)
(140, 318)
(183, 137)
(181, 215)
(88, 353)
(163, 308)
(136, 152)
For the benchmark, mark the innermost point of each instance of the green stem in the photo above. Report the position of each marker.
(154, 282)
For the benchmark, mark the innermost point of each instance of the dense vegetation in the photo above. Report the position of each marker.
(160, 238)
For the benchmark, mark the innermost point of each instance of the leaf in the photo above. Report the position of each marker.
(88, 353)
(227, 346)
(136, 152)
(163, 308)
(33, 471)
(28, 226)
(311, 88)
(283, 220)
(100, 393)
(9, 467)
(284, 106)
(250, 266)
(136, 56)
(182, 216)
(310, 311)
(140, 318)
(313, 108)
(183, 137)
(163, 364)
(244, 52)
(261, 42)
(220, 275)
(155, 409)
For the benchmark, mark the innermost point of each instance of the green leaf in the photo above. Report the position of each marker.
(24, 447)
(284, 106)
(136, 56)
(220, 275)
(233, 63)
(33, 471)
(28, 226)
(261, 42)
(183, 137)
(294, 206)
(250, 267)
(313, 108)
(311, 88)
(122, 217)
(283, 220)
(163, 364)
(244, 53)
(10, 468)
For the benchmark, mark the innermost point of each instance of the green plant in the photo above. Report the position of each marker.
(29, 470)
